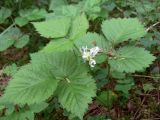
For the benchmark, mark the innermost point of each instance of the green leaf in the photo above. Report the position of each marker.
(68, 10)
(148, 87)
(118, 75)
(93, 39)
(21, 21)
(9, 109)
(56, 4)
(33, 83)
(107, 98)
(53, 28)
(33, 14)
(76, 87)
(21, 42)
(144, 7)
(79, 27)
(36, 108)
(13, 36)
(8, 38)
(58, 45)
(92, 7)
(62, 64)
(124, 85)
(4, 14)
(76, 93)
(100, 58)
(37, 81)
(23, 115)
(11, 69)
(120, 30)
(2, 107)
(98, 117)
(130, 59)
(30, 15)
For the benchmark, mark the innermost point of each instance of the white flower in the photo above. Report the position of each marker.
(89, 54)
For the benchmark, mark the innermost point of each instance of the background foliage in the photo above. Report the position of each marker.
(42, 74)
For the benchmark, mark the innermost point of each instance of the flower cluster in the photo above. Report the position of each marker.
(89, 54)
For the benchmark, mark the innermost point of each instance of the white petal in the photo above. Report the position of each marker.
(94, 51)
(92, 62)
(84, 49)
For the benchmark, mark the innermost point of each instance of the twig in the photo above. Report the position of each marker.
(120, 9)
(139, 109)
(7, 29)
(150, 27)
(144, 76)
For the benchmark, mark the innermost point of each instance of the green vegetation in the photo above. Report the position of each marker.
(79, 59)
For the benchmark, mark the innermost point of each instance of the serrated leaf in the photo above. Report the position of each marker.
(120, 30)
(22, 41)
(53, 28)
(5, 43)
(21, 21)
(107, 98)
(68, 10)
(118, 75)
(31, 84)
(4, 14)
(8, 38)
(76, 88)
(33, 14)
(79, 26)
(148, 87)
(124, 85)
(36, 108)
(58, 45)
(30, 15)
(9, 109)
(93, 39)
(91, 7)
(57, 3)
(10, 70)
(23, 115)
(62, 64)
(76, 93)
(37, 81)
(130, 59)
(13, 36)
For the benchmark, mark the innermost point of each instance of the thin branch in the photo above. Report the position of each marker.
(7, 29)
(150, 27)
(144, 76)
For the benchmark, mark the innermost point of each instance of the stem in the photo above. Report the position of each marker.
(144, 76)
(7, 29)
(150, 27)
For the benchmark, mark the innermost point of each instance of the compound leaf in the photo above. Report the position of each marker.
(76, 88)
